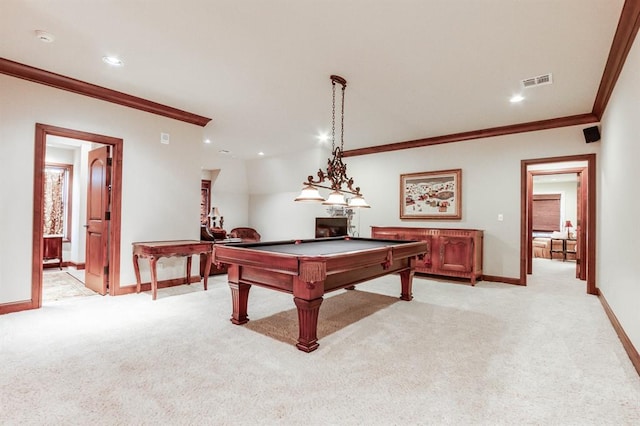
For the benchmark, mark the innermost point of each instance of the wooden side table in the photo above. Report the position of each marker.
(157, 249)
(563, 247)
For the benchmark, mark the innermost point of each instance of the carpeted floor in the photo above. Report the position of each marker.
(493, 354)
(336, 313)
(57, 285)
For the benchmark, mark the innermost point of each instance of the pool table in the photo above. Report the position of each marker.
(308, 269)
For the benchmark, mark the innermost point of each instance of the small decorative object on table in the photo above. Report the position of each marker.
(568, 225)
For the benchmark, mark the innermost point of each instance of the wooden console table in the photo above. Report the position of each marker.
(157, 249)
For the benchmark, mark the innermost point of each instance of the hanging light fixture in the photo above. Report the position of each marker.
(340, 184)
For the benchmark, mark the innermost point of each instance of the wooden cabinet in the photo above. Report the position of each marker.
(52, 249)
(452, 252)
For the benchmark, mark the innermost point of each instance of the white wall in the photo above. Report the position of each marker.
(490, 186)
(274, 183)
(618, 233)
(229, 187)
(161, 183)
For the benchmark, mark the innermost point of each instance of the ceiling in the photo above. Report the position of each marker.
(260, 69)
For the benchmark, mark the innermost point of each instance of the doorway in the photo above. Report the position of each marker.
(112, 251)
(583, 166)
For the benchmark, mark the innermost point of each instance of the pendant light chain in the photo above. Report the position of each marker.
(333, 118)
(342, 120)
(336, 173)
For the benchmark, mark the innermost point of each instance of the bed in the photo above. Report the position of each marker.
(544, 242)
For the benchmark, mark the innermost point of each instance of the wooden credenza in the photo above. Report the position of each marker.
(52, 249)
(452, 252)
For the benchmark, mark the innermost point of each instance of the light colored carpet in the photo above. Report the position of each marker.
(493, 354)
(57, 285)
(336, 313)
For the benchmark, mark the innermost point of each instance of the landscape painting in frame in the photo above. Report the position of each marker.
(431, 195)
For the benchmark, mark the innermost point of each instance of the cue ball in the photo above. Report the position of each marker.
(298, 242)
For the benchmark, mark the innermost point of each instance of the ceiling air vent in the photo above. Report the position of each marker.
(537, 81)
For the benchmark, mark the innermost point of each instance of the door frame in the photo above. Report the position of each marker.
(580, 172)
(42, 131)
(588, 225)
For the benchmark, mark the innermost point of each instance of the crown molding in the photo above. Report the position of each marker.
(622, 41)
(58, 81)
(478, 134)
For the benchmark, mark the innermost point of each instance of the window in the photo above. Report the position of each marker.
(57, 200)
(546, 212)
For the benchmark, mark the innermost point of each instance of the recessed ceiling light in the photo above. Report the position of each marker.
(516, 98)
(44, 36)
(207, 141)
(113, 61)
(323, 137)
(261, 153)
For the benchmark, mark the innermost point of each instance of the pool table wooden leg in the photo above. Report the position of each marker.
(240, 297)
(308, 323)
(406, 277)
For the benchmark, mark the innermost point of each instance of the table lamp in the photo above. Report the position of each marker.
(568, 225)
(214, 215)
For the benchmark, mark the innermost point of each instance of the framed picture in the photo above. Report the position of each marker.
(431, 195)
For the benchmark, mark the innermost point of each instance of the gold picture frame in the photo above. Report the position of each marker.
(431, 195)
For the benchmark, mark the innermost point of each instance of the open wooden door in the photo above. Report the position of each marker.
(581, 255)
(528, 218)
(98, 216)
